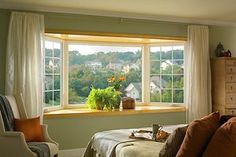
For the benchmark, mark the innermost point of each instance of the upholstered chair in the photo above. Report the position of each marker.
(12, 143)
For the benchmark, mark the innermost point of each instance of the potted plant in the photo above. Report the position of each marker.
(103, 98)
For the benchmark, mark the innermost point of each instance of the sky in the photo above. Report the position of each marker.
(89, 49)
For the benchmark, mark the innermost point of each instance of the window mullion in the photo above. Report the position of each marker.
(65, 74)
(145, 73)
(172, 89)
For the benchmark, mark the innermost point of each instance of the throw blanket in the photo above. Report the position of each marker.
(41, 149)
(7, 114)
(104, 143)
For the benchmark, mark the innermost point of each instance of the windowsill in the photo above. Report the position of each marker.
(70, 113)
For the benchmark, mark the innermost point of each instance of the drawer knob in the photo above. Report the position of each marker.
(231, 77)
(231, 70)
(232, 112)
(231, 87)
(231, 98)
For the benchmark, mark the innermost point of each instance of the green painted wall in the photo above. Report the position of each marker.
(4, 21)
(114, 25)
(225, 35)
(76, 132)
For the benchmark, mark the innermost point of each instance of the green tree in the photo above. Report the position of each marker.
(155, 96)
(166, 96)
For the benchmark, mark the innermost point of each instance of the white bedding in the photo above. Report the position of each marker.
(139, 149)
(104, 143)
(115, 143)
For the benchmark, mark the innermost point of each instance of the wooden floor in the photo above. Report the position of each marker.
(72, 152)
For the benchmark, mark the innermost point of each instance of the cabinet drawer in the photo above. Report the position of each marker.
(230, 98)
(230, 78)
(230, 106)
(230, 111)
(230, 87)
(231, 69)
(230, 62)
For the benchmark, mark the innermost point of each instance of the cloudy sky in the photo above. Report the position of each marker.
(88, 49)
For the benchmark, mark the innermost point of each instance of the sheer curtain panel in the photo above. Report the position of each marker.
(198, 74)
(24, 60)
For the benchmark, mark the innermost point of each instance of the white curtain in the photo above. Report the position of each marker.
(198, 74)
(24, 60)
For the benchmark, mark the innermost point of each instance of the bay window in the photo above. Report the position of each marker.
(153, 69)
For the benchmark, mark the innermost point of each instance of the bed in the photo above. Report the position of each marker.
(116, 143)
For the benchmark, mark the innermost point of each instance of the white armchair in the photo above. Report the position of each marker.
(13, 144)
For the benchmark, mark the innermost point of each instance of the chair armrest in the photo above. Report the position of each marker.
(46, 135)
(12, 134)
(13, 144)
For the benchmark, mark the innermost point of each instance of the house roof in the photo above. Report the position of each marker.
(132, 85)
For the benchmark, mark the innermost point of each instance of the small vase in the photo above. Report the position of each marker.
(219, 51)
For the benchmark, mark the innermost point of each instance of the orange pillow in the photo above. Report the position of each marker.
(223, 141)
(31, 129)
(198, 135)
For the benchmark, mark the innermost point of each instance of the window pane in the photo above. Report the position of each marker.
(155, 53)
(48, 97)
(178, 96)
(178, 67)
(178, 52)
(91, 66)
(57, 53)
(48, 65)
(155, 96)
(56, 100)
(155, 82)
(166, 67)
(52, 73)
(166, 96)
(166, 81)
(56, 66)
(178, 81)
(48, 48)
(166, 52)
(48, 82)
(167, 74)
(57, 85)
(155, 88)
(155, 67)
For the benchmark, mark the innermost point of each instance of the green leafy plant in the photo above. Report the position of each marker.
(103, 98)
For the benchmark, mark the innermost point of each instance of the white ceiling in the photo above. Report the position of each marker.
(218, 12)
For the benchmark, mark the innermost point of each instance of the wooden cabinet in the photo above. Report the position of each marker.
(223, 76)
